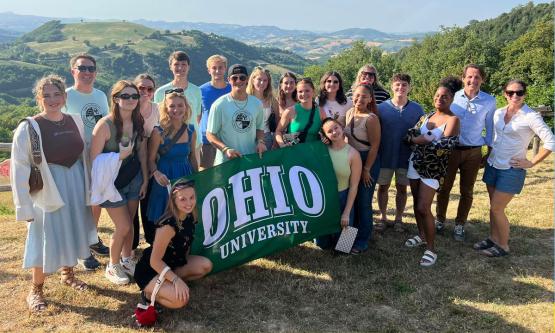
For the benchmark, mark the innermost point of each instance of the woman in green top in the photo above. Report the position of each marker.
(301, 122)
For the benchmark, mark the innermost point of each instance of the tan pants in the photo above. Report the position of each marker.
(468, 162)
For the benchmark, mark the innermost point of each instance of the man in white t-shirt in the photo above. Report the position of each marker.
(236, 120)
(91, 104)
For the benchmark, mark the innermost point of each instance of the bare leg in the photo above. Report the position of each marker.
(414, 189)
(383, 192)
(132, 206)
(400, 201)
(424, 207)
(96, 210)
(38, 275)
(166, 295)
(499, 221)
(120, 217)
(196, 268)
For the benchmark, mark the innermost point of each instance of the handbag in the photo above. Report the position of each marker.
(146, 314)
(35, 176)
(128, 169)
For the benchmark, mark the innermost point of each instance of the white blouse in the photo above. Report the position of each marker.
(511, 140)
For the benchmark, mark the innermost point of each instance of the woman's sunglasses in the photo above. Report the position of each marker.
(128, 96)
(519, 93)
(147, 89)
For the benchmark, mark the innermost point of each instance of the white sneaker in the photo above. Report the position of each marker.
(128, 266)
(115, 274)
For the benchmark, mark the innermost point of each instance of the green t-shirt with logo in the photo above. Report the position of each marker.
(235, 123)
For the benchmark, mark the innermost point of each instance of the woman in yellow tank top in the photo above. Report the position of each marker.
(347, 166)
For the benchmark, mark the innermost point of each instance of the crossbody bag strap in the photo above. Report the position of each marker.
(164, 150)
(159, 283)
(35, 143)
(304, 132)
(353, 133)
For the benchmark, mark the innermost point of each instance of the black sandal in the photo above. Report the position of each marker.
(482, 245)
(494, 251)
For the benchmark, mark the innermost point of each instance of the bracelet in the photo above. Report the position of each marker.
(175, 279)
(152, 172)
(261, 141)
(366, 168)
(225, 148)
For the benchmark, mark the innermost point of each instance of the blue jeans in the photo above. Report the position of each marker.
(328, 241)
(363, 206)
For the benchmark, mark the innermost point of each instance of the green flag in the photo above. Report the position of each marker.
(251, 207)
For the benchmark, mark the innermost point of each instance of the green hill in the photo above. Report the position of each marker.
(123, 50)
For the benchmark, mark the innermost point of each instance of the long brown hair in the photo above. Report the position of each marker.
(136, 116)
(281, 93)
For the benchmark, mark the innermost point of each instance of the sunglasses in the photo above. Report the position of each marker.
(519, 93)
(176, 90)
(236, 78)
(332, 81)
(148, 89)
(126, 97)
(83, 68)
(183, 184)
(371, 74)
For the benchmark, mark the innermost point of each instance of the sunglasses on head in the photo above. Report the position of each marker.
(176, 90)
(510, 93)
(371, 74)
(83, 68)
(332, 81)
(183, 184)
(235, 78)
(148, 89)
(126, 97)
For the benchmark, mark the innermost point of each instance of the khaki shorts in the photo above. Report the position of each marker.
(207, 155)
(386, 175)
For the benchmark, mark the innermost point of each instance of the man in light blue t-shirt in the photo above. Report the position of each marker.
(179, 65)
(211, 91)
(236, 120)
(91, 104)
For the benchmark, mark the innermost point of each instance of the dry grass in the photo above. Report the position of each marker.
(304, 289)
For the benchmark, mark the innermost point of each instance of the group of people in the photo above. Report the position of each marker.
(120, 153)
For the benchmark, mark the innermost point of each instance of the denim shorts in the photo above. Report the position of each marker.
(508, 181)
(128, 193)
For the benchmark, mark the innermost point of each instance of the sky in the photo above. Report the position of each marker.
(314, 15)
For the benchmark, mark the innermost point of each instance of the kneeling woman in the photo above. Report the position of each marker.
(172, 243)
(347, 166)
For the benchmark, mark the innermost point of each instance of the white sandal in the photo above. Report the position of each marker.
(428, 259)
(414, 241)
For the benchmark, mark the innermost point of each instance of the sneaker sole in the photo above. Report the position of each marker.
(100, 254)
(119, 283)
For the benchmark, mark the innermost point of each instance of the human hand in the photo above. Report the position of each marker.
(232, 153)
(366, 178)
(260, 148)
(161, 178)
(125, 151)
(143, 189)
(344, 221)
(521, 163)
(181, 290)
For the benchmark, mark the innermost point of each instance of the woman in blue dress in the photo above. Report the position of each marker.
(169, 153)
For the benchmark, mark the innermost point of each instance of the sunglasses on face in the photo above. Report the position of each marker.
(126, 97)
(83, 68)
(176, 90)
(147, 89)
(371, 74)
(519, 93)
(236, 78)
(332, 81)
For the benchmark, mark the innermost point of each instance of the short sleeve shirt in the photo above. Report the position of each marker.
(91, 107)
(235, 124)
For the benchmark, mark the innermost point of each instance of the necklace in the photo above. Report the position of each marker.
(239, 106)
(59, 123)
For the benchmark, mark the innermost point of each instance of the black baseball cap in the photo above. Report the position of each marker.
(237, 69)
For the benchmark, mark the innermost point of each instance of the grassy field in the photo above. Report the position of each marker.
(305, 289)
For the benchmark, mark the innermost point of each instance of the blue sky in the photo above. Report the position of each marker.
(323, 15)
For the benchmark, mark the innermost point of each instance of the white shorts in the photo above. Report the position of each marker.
(412, 174)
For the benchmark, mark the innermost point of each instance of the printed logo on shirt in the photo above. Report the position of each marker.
(242, 121)
(90, 114)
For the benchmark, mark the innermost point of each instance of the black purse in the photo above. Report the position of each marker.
(129, 169)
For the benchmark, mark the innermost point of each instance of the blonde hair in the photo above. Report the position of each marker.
(165, 122)
(267, 94)
(376, 83)
(216, 58)
(52, 79)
